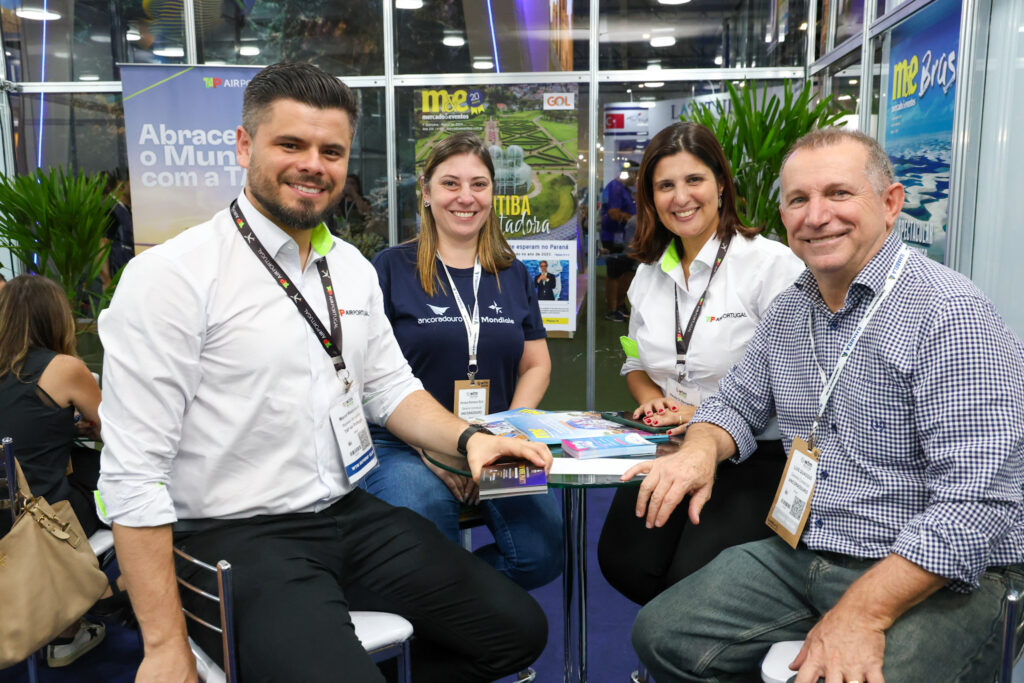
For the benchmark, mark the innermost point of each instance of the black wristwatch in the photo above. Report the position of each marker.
(468, 432)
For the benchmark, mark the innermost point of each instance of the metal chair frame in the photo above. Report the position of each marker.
(225, 602)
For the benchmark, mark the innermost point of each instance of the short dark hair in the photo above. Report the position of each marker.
(297, 81)
(879, 167)
(542, 263)
(651, 236)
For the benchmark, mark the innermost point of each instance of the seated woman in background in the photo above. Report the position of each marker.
(455, 287)
(692, 247)
(43, 384)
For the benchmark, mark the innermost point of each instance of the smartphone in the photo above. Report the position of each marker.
(625, 417)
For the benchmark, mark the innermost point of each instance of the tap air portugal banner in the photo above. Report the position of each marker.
(179, 125)
(531, 131)
(918, 130)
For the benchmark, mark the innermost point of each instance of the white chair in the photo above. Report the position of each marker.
(775, 666)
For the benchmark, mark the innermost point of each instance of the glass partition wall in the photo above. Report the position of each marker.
(645, 59)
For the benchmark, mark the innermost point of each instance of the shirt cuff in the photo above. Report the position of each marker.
(715, 411)
(146, 506)
(955, 551)
(378, 407)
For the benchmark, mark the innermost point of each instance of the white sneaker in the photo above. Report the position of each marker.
(89, 635)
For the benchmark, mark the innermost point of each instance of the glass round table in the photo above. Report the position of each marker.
(574, 525)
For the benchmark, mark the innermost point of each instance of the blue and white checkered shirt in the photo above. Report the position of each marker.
(922, 441)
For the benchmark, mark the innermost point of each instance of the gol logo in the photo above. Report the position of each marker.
(560, 100)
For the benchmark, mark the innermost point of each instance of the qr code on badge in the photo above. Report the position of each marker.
(797, 508)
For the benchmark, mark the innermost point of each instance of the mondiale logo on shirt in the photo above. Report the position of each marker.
(440, 317)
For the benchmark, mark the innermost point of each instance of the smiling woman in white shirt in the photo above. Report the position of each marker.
(719, 276)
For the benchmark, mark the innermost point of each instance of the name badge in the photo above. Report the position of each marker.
(472, 398)
(684, 392)
(353, 437)
(792, 505)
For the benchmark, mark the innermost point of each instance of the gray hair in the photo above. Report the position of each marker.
(879, 169)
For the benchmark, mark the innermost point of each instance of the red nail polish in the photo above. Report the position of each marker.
(661, 410)
(674, 408)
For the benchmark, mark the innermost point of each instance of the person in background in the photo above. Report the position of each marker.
(617, 207)
(545, 282)
(459, 281)
(120, 231)
(48, 397)
(692, 246)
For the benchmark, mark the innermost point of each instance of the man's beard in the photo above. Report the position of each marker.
(297, 219)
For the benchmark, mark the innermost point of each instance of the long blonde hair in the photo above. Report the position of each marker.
(34, 312)
(491, 247)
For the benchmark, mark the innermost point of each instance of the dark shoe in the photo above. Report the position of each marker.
(624, 311)
(615, 317)
(64, 651)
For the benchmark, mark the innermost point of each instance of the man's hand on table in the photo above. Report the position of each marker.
(484, 449)
(670, 478)
(844, 646)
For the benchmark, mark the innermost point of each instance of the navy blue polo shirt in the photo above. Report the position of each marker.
(430, 331)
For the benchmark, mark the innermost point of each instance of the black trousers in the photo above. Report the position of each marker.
(297, 576)
(640, 563)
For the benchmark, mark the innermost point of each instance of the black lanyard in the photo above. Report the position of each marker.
(683, 338)
(332, 342)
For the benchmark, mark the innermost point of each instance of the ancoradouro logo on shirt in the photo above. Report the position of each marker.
(439, 318)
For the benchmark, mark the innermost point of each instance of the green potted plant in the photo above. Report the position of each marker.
(55, 222)
(755, 136)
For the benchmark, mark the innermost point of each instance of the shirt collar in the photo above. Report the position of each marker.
(273, 237)
(871, 277)
(670, 259)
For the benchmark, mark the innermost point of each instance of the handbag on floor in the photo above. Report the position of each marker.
(49, 575)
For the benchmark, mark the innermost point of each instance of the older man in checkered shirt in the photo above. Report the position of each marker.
(912, 388)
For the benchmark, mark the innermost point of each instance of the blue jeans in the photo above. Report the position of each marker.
(718, 623)
(527, 530)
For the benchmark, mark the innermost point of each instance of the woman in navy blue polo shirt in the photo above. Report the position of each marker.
(465, 314)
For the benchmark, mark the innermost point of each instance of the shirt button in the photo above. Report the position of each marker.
(824, 475)
(819, 523)
(835, 427)
(834, 324)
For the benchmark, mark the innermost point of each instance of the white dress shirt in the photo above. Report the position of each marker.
(217, 392)
(752, 274)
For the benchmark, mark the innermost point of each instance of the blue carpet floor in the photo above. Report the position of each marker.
(611, 658)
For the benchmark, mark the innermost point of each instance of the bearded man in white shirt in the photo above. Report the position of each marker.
(234, 421)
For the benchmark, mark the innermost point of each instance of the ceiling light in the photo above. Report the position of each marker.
(853, 81)
(100, 37)
(673, 2)
(846, 97)
(37, 14)
(653, 85)
(248, 50)
(483, 64)
(718, 60)
(648, 98)
(646, 36)
(170, 51)
(132, 35)
(408, 4)
(654, 66)
(453, 40)
(663, 41)
(803, 26)
(89, 77)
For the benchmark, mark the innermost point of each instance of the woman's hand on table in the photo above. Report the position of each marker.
(463, 488)
(484, 449)
(663, 412)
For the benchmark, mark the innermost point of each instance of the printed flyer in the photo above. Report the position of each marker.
(180, 125)
(918, 131)
(532, 135)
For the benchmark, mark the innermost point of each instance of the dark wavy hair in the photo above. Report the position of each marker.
(652, 237)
